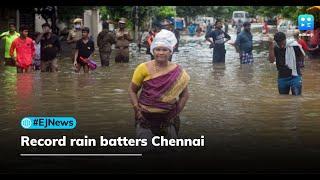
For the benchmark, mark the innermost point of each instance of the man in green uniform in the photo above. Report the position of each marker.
(105, 40)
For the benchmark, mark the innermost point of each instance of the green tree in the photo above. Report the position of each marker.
(145, 13)
(65, 13)
(191, 11)
(219, 12)
(48, 12)
(292, 12)
(165, 12)
(104, 12)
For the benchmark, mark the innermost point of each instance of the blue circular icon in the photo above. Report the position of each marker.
(26, 123)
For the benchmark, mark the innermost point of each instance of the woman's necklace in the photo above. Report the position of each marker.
(156, 68)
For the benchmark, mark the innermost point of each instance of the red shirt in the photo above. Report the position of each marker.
(303, 45)
(315, 38)
(25, 51)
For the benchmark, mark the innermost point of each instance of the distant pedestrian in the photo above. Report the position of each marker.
(168, 25)
(288, 55)
(150, 38)
(142, 39)
(239, 26)
(123, 39)
(84, 51)
(265, 28)
(24, 48)
(218, 44)
(50, 46)
(105, 40)
(9, 37)
(74, 35)
(226, 27)
(37, 57)
(244, 45)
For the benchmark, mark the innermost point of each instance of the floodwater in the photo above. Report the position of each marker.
(237, 107)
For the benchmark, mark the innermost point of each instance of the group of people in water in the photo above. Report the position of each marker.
(41, 51)
(163, 84)
(287, 53)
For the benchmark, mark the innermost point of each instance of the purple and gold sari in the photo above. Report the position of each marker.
(158, 98)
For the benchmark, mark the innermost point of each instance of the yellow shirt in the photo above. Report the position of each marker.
(141, 74)
(74, 35)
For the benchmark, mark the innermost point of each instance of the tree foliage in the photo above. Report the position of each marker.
(66, 13)
(48, 12)
(191, 11)
(166, 12)
(290, 12)
(145, 13)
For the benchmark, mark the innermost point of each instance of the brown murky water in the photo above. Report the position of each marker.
(238, 108)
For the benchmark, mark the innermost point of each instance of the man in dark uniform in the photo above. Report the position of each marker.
(105, 40)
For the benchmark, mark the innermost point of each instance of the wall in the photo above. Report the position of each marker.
(92, 20)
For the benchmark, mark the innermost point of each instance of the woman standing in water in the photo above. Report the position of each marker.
(164, 91)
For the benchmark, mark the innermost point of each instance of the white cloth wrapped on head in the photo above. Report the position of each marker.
(164, 38)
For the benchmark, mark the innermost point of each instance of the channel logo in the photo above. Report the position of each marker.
(48, 123)
(306, 22)
(26, 123)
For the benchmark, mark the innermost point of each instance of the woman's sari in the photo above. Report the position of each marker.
(158, 100)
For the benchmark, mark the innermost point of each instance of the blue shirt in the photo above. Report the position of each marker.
(218, 36)
(244, 41)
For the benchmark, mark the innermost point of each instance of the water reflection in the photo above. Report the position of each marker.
(245, 73)
(218, 70)
(24, 89)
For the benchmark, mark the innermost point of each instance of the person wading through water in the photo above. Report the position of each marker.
(123, 39)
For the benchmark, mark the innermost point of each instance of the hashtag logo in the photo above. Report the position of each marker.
(48, 123)
(35, 122)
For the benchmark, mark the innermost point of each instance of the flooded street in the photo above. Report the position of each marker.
(237, 107)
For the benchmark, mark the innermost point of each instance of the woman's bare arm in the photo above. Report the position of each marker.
(183, 98)
(133, 94)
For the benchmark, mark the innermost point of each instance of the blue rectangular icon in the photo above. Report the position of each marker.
(306, 22)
